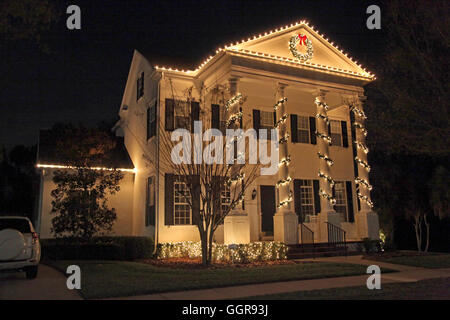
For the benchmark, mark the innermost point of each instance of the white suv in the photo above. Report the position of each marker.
(19, 246)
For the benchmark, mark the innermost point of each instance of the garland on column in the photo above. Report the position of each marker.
(360, 145)
(286, 160)
(323, 157)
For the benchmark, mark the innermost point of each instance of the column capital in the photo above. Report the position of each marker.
(234, 79)
(320, 93)
(362, 98)
(281, 85)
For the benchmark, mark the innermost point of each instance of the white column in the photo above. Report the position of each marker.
(236, 223)
(326, 182)
(366, 220)
(285, 220)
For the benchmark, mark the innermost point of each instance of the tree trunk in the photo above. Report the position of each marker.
(418, 230)
(204, 240)
(427, 225)
(210, 241)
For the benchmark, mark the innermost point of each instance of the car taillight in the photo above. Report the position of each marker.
(35, 237)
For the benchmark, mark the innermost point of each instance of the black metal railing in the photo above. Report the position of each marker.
(307, 235)
(336, 236)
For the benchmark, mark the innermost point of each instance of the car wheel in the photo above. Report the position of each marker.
(31, 272)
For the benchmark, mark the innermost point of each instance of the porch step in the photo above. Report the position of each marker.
(299, 251)
(266, 238)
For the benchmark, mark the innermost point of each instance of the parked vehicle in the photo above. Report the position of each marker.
(20, 248)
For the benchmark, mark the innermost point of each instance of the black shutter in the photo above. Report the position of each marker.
(155, 121)
(352, 138)
(150, 209)
(169, 123)
(344, 134)
(312, 130)
(142, 84)
(196, 190)
(256, 121)
(215, 116)
(168, 199)
(195, 114)
(274, 118)
(149, 130)
(316, 196)
(298, 200)
(294, 128)
(351, 213)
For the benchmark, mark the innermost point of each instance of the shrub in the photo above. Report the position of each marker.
(369, 246)
(98, 248)
(235, 253)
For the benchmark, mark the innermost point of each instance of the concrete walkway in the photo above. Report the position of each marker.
(405, 274)
(49, 285)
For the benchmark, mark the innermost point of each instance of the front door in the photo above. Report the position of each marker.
(267, 208)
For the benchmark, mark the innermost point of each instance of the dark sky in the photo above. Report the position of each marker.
(82, 78)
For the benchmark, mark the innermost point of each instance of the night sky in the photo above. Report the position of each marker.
(82, 77)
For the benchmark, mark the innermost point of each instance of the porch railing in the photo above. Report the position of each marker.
(337, 236)
(307, 235)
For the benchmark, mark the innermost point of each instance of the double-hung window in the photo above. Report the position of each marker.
(266, 122)
(341, 199)
(336, 133)
(182, 200)
(307, 197)
(303, 129)
(140, 86)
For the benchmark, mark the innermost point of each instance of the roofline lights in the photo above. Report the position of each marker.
(369, 75)
(56, 166)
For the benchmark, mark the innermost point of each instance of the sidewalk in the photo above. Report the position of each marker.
(405, 274)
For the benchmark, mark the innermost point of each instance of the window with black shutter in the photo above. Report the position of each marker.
(306, 199)
(335, 133)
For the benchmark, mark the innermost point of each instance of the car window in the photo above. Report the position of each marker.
(21, 225)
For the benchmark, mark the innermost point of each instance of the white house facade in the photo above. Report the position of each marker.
(292, 76)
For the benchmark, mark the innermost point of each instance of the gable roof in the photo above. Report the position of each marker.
(273, 46)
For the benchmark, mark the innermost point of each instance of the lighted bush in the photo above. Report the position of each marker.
(236, 253)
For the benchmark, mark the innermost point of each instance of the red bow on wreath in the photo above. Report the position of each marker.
(302, 39)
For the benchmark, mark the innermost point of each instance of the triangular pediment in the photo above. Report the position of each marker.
(275, 46)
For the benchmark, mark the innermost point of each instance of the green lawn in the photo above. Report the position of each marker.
(101, 279)
(425, 261)
(426, 289)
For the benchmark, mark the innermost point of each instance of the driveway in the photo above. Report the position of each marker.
(49, 285)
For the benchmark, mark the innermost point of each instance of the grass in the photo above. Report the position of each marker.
(431, 261)
(101, 279)
(421, 290)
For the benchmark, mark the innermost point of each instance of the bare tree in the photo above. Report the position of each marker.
(208, 181)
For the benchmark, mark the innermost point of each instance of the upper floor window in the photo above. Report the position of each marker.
(225, 199)
(140, 86)
(219, 117)
(336, 133)
(181, 114)
(150, 208)
(267, 121)
(303, 130)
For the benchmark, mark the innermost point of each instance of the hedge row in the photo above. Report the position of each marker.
(236, 253)
(98, 248)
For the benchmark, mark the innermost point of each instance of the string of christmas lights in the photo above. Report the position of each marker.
(327, 139)
(282, 100)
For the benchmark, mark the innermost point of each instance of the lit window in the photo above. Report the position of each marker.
(341, 200)
(336, 133)
(303, 129)
(307, 197)
(182, 198)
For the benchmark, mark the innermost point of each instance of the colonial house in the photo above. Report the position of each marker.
(292, 73)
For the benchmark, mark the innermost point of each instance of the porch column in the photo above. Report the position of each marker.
(285, 220)
(326, 183)
(366, 219)
(236, 223)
